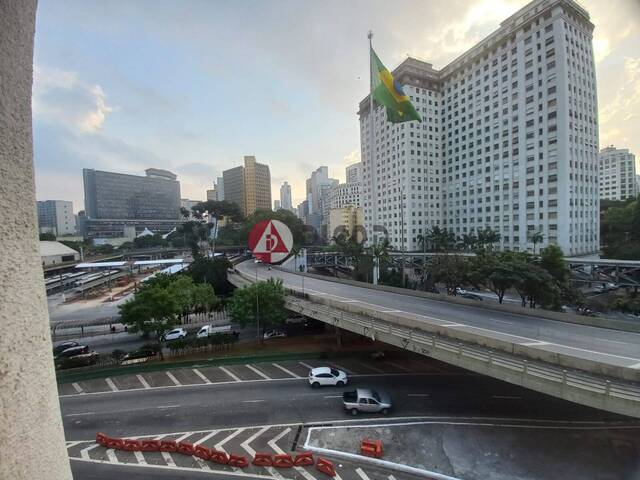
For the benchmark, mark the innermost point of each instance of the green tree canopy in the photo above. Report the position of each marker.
(259, 303)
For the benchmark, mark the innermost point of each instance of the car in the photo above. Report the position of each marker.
(175, 334)
(470, 296)
(78, 360)
(61, 347)
(274, 334)
(460, 291)
(366, 400)
(73, 351)
(323, 376)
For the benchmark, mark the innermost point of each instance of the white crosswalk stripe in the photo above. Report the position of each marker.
(254, 369)
(231, 374)
(200, 374)
(361, 474)
(286, 370)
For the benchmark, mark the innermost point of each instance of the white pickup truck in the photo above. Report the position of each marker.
(366, 400)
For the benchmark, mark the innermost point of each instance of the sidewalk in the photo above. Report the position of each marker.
(500, 449)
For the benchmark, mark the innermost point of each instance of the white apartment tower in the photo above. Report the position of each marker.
(617, 174)
(285, 197)
(509, 139)
(354, 173)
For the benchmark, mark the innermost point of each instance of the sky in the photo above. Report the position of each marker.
(193, 86)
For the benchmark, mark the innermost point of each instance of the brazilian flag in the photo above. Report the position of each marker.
(386, 91)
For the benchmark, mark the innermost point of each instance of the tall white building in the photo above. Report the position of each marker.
(56, 216)
(509, 139)
(354, 173)
(285, 197)
(617, 174)
(345, 194)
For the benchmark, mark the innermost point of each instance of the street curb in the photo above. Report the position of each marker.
(398, 467)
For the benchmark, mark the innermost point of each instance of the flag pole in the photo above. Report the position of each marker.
(372, 162)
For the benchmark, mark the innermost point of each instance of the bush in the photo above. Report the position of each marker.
(117, 354)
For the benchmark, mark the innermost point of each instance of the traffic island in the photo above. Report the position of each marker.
(477, 449)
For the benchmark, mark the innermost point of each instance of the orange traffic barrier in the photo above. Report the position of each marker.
(371, 448)
(262, 460)
(150, 446)
(131, 445)
(221, 458)
(304, 459)
(115, 443)
(238, 461)
(202, 452)
(186, 448)
(168, 446)
(325, 466)
(282, 461)
(102, 439)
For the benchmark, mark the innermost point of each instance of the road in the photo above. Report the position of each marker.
(599, 344)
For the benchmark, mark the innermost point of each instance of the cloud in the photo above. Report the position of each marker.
(353, 157)
(60, 97)
(620, 118)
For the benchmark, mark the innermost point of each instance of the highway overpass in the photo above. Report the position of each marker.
(598, 367)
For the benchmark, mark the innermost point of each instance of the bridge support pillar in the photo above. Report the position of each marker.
(338, 332)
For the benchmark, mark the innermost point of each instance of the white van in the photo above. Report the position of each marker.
(208, 330)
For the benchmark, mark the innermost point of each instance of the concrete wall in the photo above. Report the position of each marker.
(31, 436)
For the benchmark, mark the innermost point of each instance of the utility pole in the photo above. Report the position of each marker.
(404, 283)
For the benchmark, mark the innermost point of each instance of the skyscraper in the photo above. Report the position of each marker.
(509, 139)
(285, 197)
(354, 173)
(56, 216)
(248, 186)
(617, 174)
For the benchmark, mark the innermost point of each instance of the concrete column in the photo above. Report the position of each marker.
(31, 436)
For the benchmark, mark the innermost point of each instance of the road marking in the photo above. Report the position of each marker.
(361, 474)
(273, 442)
(140, 458)
(166, 455)
(111, 455)
(184, 436)
(202, 377)
(417, 394)
(344, 369)
(77, 387)
(346, 301)
(501, 321)
(333, 396)
(306, 365)
(246, 444)
(227, 438)
(508, 397)
(252, 401)
(112, 385)
(231, 374)
(531, 344)
(79, 414)
(84, 453)
(254, 369)
(168, 406)
(143, 381)
(73, 444)
(286, 371)
(637, 365)
(452, 325)
(206, 437)
(390, 311)
(400, 367)
(173, 379)
(391, 477)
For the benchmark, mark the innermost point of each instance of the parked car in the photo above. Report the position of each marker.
(61, 347)
(75, 361)
(366, 401)
(73, 351)
(208, 330)
(274, 334)
(470, 296)
(460, 291)
(142, 352)
(174, 334)
(323, 376)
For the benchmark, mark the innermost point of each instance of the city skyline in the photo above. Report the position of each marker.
(104, 109)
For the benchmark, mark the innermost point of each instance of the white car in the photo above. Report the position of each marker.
(274, 334)
(321, 376)
(175, 334)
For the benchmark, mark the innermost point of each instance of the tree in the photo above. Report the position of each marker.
(469, 241)
(212, 271)
(47, 237)
(452, 270)
(261, 303)
(536, 238)
(552, 260)
(486, 238)
(149, 241)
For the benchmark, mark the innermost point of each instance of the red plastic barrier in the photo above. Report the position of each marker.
(186, 448)
(304, 459)
(131, 445)
(371, 448)
(202, 452)
(115, 443)
(282, 461)
(238, 461)
(262, 460)
(325, 466)
(150, 446)
(168, 446)
(102, 439)
(221, 458)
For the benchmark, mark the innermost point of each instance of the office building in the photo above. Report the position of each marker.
(617, 174)
(248, 186)
(276, 205)
(345, 194)
(285, 197)
(354, 173)
(56, 216)
(116, 203)
(508, 141)
(347, 220)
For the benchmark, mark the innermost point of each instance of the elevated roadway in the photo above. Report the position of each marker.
(593, 366)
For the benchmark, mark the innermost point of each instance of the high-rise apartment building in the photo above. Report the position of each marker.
(56, 216)
(248, 186)
(276, 205)
(345, 194)
(508, 141)
(114, 201)
(617, 174)
(285, 197)
(354, 173)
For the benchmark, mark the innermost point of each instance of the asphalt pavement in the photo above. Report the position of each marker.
(599, 344)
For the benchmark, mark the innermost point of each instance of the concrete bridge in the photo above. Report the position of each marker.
(586, 364)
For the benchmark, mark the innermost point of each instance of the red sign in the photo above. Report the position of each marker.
(270, 241)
